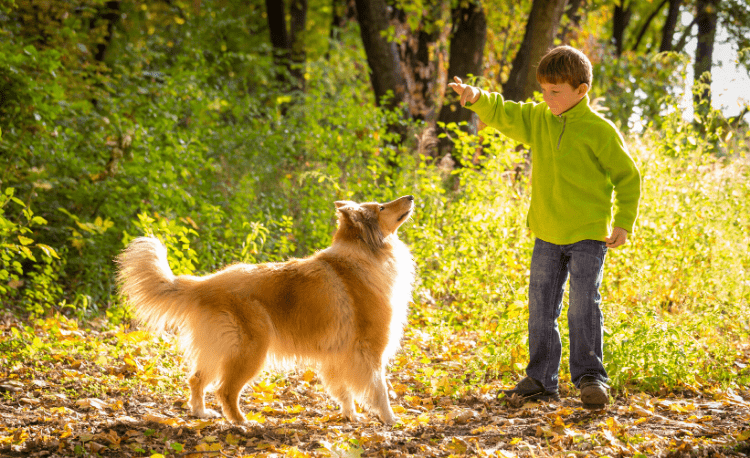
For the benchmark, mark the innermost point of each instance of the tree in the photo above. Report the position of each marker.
(573, 15)
(382, 53)
(670, 25)
(707, 12)
(288, 43)
(344, 11)
(467, 40)
(418, 29)
(647, 23)
(109, 13)
(620, 20)
(541, 27)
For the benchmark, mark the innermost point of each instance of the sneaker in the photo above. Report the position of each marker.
(593, 392)
(529, 389)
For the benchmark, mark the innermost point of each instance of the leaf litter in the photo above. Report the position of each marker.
(71, 392)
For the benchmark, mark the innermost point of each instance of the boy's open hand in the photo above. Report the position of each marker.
(468, 93)
(618, 237)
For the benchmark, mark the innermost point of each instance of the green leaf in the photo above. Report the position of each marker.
(25, 240)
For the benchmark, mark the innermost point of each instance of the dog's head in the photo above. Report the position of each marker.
(372, 222)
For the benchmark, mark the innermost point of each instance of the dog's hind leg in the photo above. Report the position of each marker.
(241, 365)
(335, 382)
(197, 388)
(237, 372)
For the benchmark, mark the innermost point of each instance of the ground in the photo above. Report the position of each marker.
(71, 392)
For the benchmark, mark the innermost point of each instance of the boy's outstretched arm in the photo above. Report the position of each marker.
(618, 237)
(468, 93)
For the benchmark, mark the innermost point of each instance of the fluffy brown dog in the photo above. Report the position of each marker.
(342, 310)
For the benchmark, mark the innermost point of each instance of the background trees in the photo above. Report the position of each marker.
(209, 119)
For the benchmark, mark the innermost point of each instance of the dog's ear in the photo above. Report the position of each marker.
(360, 223)
(340, 203)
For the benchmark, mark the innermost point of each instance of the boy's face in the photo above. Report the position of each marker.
(562, 97)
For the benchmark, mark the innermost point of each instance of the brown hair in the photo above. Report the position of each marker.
(564, 64)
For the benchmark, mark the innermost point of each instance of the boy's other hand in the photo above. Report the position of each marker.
(618, 237)
(468, 93)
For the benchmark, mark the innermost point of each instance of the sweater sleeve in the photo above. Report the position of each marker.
(626, 180)
(512, 119)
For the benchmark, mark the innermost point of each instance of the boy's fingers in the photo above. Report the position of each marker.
(464, 96)
(457, 80)
(617, 239)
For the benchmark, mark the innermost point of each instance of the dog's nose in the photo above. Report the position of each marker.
(411, 198)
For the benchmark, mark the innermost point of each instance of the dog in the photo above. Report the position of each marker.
(341, 311)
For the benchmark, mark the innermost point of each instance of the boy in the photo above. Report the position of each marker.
(579, 161)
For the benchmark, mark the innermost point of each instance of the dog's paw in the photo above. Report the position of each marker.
(389, 419)
(206, 413)
(353, 417)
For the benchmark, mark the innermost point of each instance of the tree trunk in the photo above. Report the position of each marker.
(344, 11)
(288, 45)
(277, 24)
(544, 20)
(111, 14)
(298, 19)
(667, 33)
(620, 22)
(572, 12)
(647, 24)
(706, 16)
(419, 67)
(468, 37)
(382, 54)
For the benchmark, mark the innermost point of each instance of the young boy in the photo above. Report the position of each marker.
(579, 162)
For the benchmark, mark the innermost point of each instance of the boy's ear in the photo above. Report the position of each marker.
(583, 88)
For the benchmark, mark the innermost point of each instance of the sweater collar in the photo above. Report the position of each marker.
(577, 111)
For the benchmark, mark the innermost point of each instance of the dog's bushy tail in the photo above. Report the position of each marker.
(157, 297)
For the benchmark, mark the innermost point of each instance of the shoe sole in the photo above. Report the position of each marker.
(542, 397)
(595, 401)
(594, 406)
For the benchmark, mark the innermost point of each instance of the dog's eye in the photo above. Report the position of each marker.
(382, 208)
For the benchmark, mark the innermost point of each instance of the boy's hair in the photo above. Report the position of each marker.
(564, 64)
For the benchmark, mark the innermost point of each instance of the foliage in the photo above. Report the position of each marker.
(18, 262)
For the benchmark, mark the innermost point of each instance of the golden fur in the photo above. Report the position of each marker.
(341, 310)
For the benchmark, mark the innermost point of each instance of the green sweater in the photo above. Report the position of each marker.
(583, 180)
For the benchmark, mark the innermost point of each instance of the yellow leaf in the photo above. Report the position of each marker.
(308, 375)
(399, 409)
(458, 445)
(135, 336)
(295, 409)
(203, 447)
(25, 240)
(744, 435)
(231, 439)
(255, 416)
(264, 386)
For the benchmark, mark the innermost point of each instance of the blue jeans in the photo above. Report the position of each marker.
(551, 265)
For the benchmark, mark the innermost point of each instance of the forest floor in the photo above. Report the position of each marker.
(65, 392)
